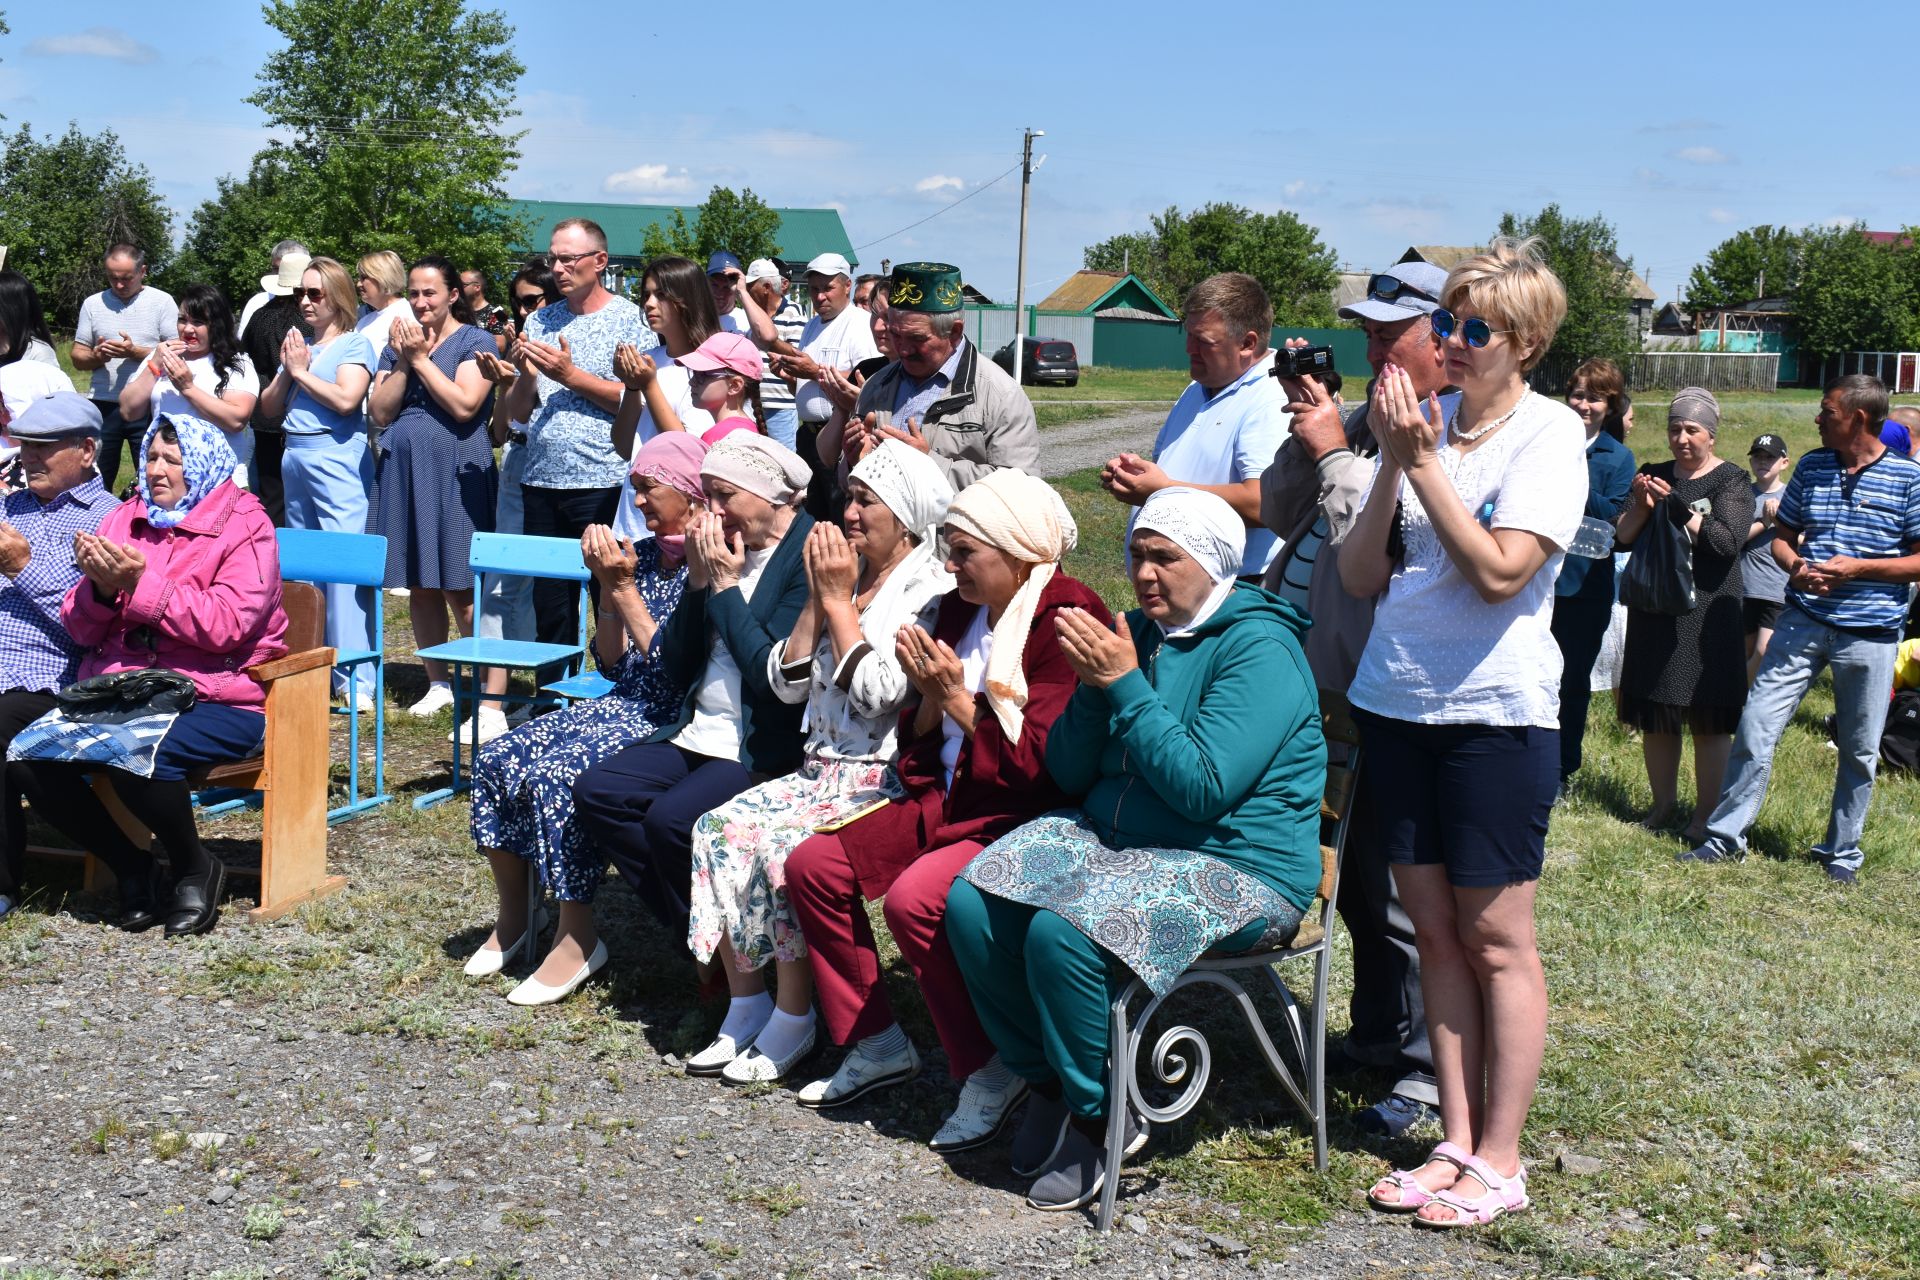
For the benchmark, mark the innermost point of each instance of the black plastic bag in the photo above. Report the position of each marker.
(126, 695)
(1659, 577)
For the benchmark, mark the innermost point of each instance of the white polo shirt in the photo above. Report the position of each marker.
(840, 343)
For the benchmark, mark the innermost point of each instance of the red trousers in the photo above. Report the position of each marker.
(826, 897)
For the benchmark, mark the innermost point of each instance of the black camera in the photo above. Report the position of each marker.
(1297, 362)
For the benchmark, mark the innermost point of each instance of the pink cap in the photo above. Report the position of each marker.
(733, 352)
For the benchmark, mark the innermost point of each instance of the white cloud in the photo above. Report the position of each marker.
(95, 42)
(1721, 216)
(938, 182)
(1301, 187)
(648, 179)
(836, 206)
(1405, 217)
(1702, 155)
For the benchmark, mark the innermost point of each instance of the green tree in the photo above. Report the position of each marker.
(393, 113)
(1585, 254)
(229, 239)
(1754, 263)
(1180, 250)
(1853, 294)
(67, 199)
(742, 224)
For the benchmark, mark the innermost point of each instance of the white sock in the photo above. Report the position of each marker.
(746, 1015)
(439, 684)
(784, 1033)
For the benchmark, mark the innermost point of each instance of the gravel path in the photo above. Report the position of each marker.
(1075, 446)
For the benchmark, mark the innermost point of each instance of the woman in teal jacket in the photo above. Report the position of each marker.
(1194, 743)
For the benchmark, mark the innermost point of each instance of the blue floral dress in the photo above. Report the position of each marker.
(523, 782)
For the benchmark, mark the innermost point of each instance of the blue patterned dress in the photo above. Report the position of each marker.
(523, 782)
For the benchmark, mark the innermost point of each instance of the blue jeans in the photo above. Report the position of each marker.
(783, 425)
(1862, 680)
(117, 435)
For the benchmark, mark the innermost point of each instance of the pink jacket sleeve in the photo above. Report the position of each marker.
(228, 611)
(85, 618)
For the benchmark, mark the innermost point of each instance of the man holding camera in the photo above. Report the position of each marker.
(1227, 424)
(1311, 496)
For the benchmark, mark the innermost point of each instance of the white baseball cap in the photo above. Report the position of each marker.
(763, 269)
(830, 264)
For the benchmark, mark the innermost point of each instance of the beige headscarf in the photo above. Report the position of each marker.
(1021, 515)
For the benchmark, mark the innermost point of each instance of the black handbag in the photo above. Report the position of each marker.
(126, 695)
(1659, 576)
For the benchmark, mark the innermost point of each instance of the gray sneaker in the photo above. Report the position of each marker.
(1078, 1170)
(1037, 1140)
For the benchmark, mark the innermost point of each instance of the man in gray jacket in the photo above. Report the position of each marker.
(1311, 496)
(938, 395)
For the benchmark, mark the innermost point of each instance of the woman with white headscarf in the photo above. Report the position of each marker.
(883, 574)
(991, 678)
(746, 586)
(1193, 745)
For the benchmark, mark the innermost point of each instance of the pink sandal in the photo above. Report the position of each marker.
(1503, 1196)
(1412, 1194)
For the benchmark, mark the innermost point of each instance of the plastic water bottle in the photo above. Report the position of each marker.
(1594, 539)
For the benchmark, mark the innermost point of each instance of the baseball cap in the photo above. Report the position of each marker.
(733, 352)
(763, 269)
(830, 264)
(57, 415)
(1769, 443)
(722, 261)
(1402, 291)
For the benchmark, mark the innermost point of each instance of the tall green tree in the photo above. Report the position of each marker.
(742, 224)
(1585, 254)
(1179, 250)
(1853, 294)
(65, 201)
(389, 119)
(1757, 262)
(229, 239)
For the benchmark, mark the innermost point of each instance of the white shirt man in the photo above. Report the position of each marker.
(839, 336)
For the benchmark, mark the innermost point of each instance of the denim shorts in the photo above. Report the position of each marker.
(1473, 798)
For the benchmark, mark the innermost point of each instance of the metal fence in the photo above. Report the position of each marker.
(992, 328)
(1714, 370)
(1900, 370)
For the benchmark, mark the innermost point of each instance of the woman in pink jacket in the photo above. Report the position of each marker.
(185, 575)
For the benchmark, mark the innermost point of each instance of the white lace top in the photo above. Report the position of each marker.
(1439, 654)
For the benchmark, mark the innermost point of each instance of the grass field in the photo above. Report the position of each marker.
(1734, 1045)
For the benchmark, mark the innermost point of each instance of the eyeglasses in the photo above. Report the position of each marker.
(311, 295)
(568, 259)
(1386, 288)
(528, 301)
(1475, 331)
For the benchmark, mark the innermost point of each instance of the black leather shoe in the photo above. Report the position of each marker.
(196, 901)
(140, 902)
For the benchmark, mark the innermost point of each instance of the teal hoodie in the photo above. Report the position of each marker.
(1214, 744)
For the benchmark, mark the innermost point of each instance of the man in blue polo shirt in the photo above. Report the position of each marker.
(1226, 426)
(1848, 535)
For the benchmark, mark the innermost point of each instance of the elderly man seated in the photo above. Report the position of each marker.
(59, 439)
(1194, 745)
(937, 395)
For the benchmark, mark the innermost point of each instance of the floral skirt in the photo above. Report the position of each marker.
(740, 855)
(1155, 910)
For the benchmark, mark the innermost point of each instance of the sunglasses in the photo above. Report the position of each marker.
(528, 301)
(1386, 288)
(1476, 332)
(311, 295)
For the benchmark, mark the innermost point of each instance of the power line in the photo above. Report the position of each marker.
(937, 212)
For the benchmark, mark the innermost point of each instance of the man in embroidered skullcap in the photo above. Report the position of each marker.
(938, 395)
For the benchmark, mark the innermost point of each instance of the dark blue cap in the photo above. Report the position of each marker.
(723, 261)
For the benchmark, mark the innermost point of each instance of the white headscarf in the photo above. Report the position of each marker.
(1021, 515)
(911, 484)
(760, 465)
(1210, 531)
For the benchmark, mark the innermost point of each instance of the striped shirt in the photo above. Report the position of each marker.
(1870, 514)
(36, 653)
(788, 324)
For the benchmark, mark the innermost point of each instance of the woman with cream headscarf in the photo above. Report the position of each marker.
(991, 678)
(883, 574)
(746, 586)
(1193, 745)
(523, 808)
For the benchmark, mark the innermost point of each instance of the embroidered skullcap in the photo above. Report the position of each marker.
(760, 465)
(911, 484)
(1200, 524)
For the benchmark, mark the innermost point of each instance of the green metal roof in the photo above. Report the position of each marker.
(804, 233)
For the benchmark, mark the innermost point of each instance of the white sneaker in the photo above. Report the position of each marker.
(979, 1116)
(534, 991)
(493, 724)
(859, 1075)
(439, 698)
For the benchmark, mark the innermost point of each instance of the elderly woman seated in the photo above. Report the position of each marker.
(991, 680)
(882, 575)
(523, 783)
(1194, 741)
(184, 575)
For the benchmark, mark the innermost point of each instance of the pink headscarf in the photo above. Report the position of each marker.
(673, 458)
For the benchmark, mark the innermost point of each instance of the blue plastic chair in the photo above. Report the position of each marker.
(581, 688)
(518, 555)
(349, 559)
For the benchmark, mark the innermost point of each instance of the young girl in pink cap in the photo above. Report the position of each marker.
(726, 373)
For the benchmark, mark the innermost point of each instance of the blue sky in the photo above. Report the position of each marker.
(1681, 123)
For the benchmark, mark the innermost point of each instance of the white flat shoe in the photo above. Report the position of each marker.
(979, 1116)
(439, 698)
(533, 991)
(859, 1075)
(486, 962)
(755, 1067)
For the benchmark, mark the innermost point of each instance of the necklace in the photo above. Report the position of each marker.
(1468, 437)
